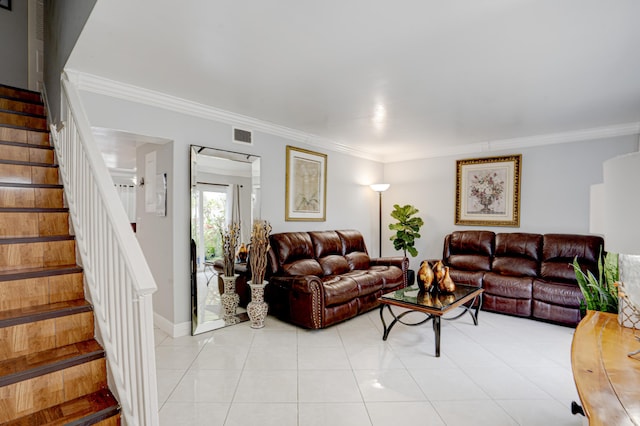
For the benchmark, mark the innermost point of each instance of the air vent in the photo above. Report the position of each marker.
(242, 136)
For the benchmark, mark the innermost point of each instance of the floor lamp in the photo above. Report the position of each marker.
(380, 188)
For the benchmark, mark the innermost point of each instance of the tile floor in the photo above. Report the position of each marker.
(505, 371)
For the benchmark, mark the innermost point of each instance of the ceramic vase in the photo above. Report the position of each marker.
(438, 270)
(446, 284)
(257, 308)
(230, 299)
(425, 276)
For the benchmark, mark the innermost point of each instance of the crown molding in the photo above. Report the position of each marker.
(103, 86)
(116, 89)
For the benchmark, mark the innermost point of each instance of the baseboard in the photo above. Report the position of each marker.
(173, 330)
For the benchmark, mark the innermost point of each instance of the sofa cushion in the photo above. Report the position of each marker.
(358, 260)
(469, 262)
(469, 250)
(303, 267)
(325, 243)
(508, 286)
(473, 278)
(291, 246)
(470, 242)
(339, 289)
(559, 250)
(517, 254)
(367, 283)
(392, 276)
(352, 241)
(557, 293)
(333, 264)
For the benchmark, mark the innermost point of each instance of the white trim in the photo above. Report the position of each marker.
(95, 84)
(173, 330)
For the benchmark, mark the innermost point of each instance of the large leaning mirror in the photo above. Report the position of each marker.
(225, 187)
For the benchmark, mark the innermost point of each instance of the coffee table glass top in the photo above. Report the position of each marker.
(413, 296)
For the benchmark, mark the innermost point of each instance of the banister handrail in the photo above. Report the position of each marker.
(117, 276)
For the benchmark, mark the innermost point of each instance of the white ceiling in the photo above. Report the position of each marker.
(392, 79)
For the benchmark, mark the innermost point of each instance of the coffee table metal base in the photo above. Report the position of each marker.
(436, 319)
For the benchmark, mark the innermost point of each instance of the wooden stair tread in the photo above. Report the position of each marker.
(27, 240)
(26, 114)
(26, 145)
(34, 210)
(30, 185)
(38, 364)
(28, 163)
(30, 129)
(86, 410)
(14, 317)
(47, 271)
(21, 90)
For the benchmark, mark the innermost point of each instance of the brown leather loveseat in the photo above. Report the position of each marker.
(317, 279)
(528, 275)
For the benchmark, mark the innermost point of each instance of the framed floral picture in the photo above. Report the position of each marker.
(306, 185)
(488, 191)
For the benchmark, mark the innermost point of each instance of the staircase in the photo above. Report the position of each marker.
(52, 370)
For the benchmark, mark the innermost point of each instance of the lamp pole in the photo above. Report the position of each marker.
(379, 188)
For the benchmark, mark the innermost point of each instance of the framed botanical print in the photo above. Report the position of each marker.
(488, 191)
(306, 185)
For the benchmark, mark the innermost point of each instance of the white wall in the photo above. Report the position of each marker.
(14, 69)
(350, 203)
(63, 22)
(154, 233)
(555, 181)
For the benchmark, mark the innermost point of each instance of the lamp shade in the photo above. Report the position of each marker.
(622, 204)
(379, 187)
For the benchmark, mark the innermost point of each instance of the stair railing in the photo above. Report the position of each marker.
(119, 281)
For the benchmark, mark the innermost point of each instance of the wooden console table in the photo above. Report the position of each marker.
(608, 381)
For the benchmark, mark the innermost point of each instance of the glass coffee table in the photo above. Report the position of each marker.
(434, 305)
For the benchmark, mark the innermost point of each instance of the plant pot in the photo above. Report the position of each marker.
(411, 277)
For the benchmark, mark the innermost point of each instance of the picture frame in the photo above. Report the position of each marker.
(488, 191)
(306, 185)
(5, 4)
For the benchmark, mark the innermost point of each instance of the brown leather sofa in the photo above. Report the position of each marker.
(317, 279)
(528, 275)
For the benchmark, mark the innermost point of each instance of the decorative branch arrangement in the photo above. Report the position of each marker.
(229, 245)
(258, 250)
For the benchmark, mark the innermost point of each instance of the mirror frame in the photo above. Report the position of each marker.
(198, 268)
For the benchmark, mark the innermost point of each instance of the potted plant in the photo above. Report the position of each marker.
(407, 230)
(600, 293)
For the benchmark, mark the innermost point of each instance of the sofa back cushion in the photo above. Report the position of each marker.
(517, 254)
(559, 250)
(293, 253)
(328, 250)
(469, 250)
(354, 249)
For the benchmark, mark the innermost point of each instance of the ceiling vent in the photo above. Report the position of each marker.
(242, 136)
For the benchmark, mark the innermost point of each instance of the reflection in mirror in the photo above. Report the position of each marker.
(225, 187)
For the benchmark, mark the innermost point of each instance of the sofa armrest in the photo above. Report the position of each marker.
(299, 299)
(298, 283)
(400, 262)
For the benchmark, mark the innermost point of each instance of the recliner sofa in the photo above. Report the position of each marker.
(320, 278)
(523, 274)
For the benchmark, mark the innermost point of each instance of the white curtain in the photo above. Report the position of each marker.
(127, 194)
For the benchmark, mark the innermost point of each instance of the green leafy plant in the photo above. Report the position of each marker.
(600, 293)
(407, 228)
